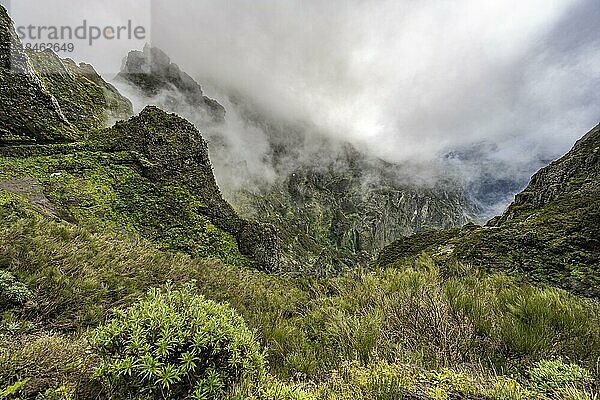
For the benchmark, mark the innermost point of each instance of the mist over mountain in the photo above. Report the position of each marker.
(163, 238)
(334, 203)
(512, 83)
(409, 80)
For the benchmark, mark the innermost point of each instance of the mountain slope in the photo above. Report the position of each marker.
(577, 174)
(339, 214)
(28, 112)
(149, 176)
(86, 100)
(551, 232)
(333, 204)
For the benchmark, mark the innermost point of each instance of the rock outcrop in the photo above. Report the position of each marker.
(550, 234)
(177, 154)
(28, 111)
(152, 71)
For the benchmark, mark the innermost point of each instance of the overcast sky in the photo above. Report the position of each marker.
(410, 79)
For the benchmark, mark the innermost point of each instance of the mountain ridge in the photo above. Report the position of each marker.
(549, 233)
(333, 204)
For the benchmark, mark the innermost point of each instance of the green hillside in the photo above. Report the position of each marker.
(551, 233)
(124, 274)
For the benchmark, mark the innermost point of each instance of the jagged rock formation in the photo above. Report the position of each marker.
(28, 112)
(149, 176)
(333, 205)
(551, 232)
(84, 97)
(152, 71)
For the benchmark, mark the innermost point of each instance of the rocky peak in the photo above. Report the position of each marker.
(152, 71)
(175, 147)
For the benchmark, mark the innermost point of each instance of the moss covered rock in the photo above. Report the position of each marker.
(176, 154)
(28, 111)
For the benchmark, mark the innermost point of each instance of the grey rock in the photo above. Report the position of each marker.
(152, 72)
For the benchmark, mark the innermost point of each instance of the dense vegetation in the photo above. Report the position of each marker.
(125, 275)
(372, 332)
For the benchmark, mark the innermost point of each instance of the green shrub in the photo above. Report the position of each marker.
(506, 388)
(381, 380)
(376, 381)
(12, 292)
(175, 344)
(60, 393)
(553, 376)
(272, 389)
(13, 389)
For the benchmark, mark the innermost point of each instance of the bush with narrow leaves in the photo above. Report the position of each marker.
(175, 344)
(12, 292)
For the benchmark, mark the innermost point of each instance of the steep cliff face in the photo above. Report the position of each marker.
(332, 204)
(551, 232)
(85, 99)
(46, 99)
(575, 174)
(152, 72)
(149, 176)
(348, 209)
(28, 111)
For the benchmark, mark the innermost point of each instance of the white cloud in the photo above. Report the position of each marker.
(408, 79)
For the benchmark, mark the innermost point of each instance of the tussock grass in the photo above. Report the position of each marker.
(315, 331)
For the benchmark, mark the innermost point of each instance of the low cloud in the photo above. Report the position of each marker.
(408, 79)
(516, 82)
